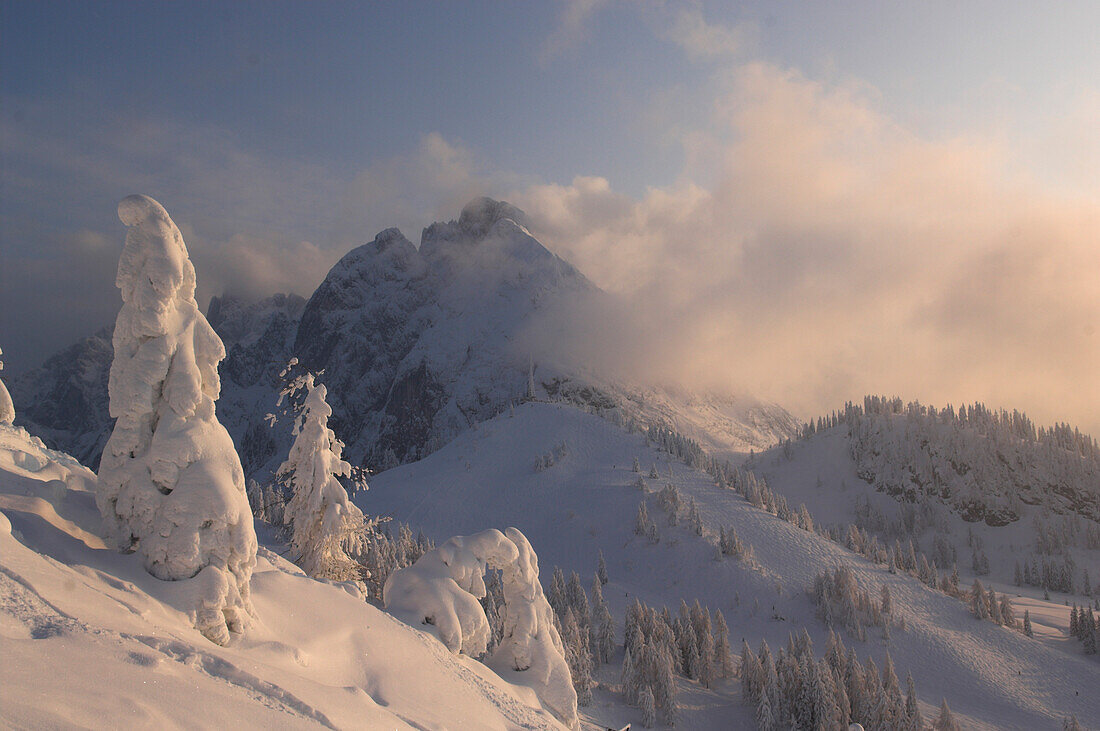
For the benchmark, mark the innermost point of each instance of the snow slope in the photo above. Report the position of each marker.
(586, 502)
(821, 473)
(89, 639)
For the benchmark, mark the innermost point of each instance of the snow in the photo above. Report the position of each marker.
(89, 639)
(586, 501)
(7, 408)
(171, 485)
(442, 588)
(821, 473)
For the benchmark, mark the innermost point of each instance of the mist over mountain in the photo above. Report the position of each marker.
(416, 345)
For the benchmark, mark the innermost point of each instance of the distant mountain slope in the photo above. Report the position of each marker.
(586, 501)
(90, 640)
(981, 488)
(416, 345)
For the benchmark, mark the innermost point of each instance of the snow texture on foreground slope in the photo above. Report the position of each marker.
(586, 502)
(88, 638)
(171, 485)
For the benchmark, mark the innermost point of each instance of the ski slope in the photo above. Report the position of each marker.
(586, 502)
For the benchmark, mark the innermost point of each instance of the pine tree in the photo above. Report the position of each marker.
(751, 682)
(578, 601)
(641, 520)
(722, 652)
(1008, 616)
(578, 658)
(978, 601)
(765, 716)
(914, 720)
(648, 707)
(945, 721)
(694, 520)
(1027, 624)
(605, 633)
(326, 527)
(601, 568)
(628, 675)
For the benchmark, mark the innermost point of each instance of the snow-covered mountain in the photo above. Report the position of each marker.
(64, 401)
(583, 501)
(417, 344)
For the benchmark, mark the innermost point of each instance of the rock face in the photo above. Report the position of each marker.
(64, 401)
(416, 343)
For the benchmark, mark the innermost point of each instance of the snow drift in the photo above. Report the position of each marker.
(171, 485)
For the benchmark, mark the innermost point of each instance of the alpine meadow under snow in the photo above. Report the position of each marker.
(544, 544)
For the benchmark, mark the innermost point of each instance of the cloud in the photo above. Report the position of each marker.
(836, 253)
(702, 40)
(254, 224)
(571, 29)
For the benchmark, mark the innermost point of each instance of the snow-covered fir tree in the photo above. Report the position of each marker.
(170, 485)
(326, 527)
(7, 408)
(945, 721)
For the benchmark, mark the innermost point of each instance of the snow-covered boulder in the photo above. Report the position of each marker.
(171, 485)
(442, 589)
(7, 408)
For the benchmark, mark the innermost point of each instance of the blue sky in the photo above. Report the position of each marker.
(672, 149)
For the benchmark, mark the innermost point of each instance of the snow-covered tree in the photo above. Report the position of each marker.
(326, 527)
(648, 707)
(945, 721)
(578, 657)
(171, 487)
(443, 587)
(7, 408)
(1027, 624)
(601, 568)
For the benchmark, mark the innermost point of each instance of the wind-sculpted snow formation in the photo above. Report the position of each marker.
(171, 485)
(442, 589)
(7, 408)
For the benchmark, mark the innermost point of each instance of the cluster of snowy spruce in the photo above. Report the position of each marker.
(659, 647)
(587, 628)
(1083, 626)
(795, 690)
(841, 601)
(984, 464)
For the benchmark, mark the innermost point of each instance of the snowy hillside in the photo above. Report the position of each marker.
(1007, 503)
(585, 502)
(74, 612)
